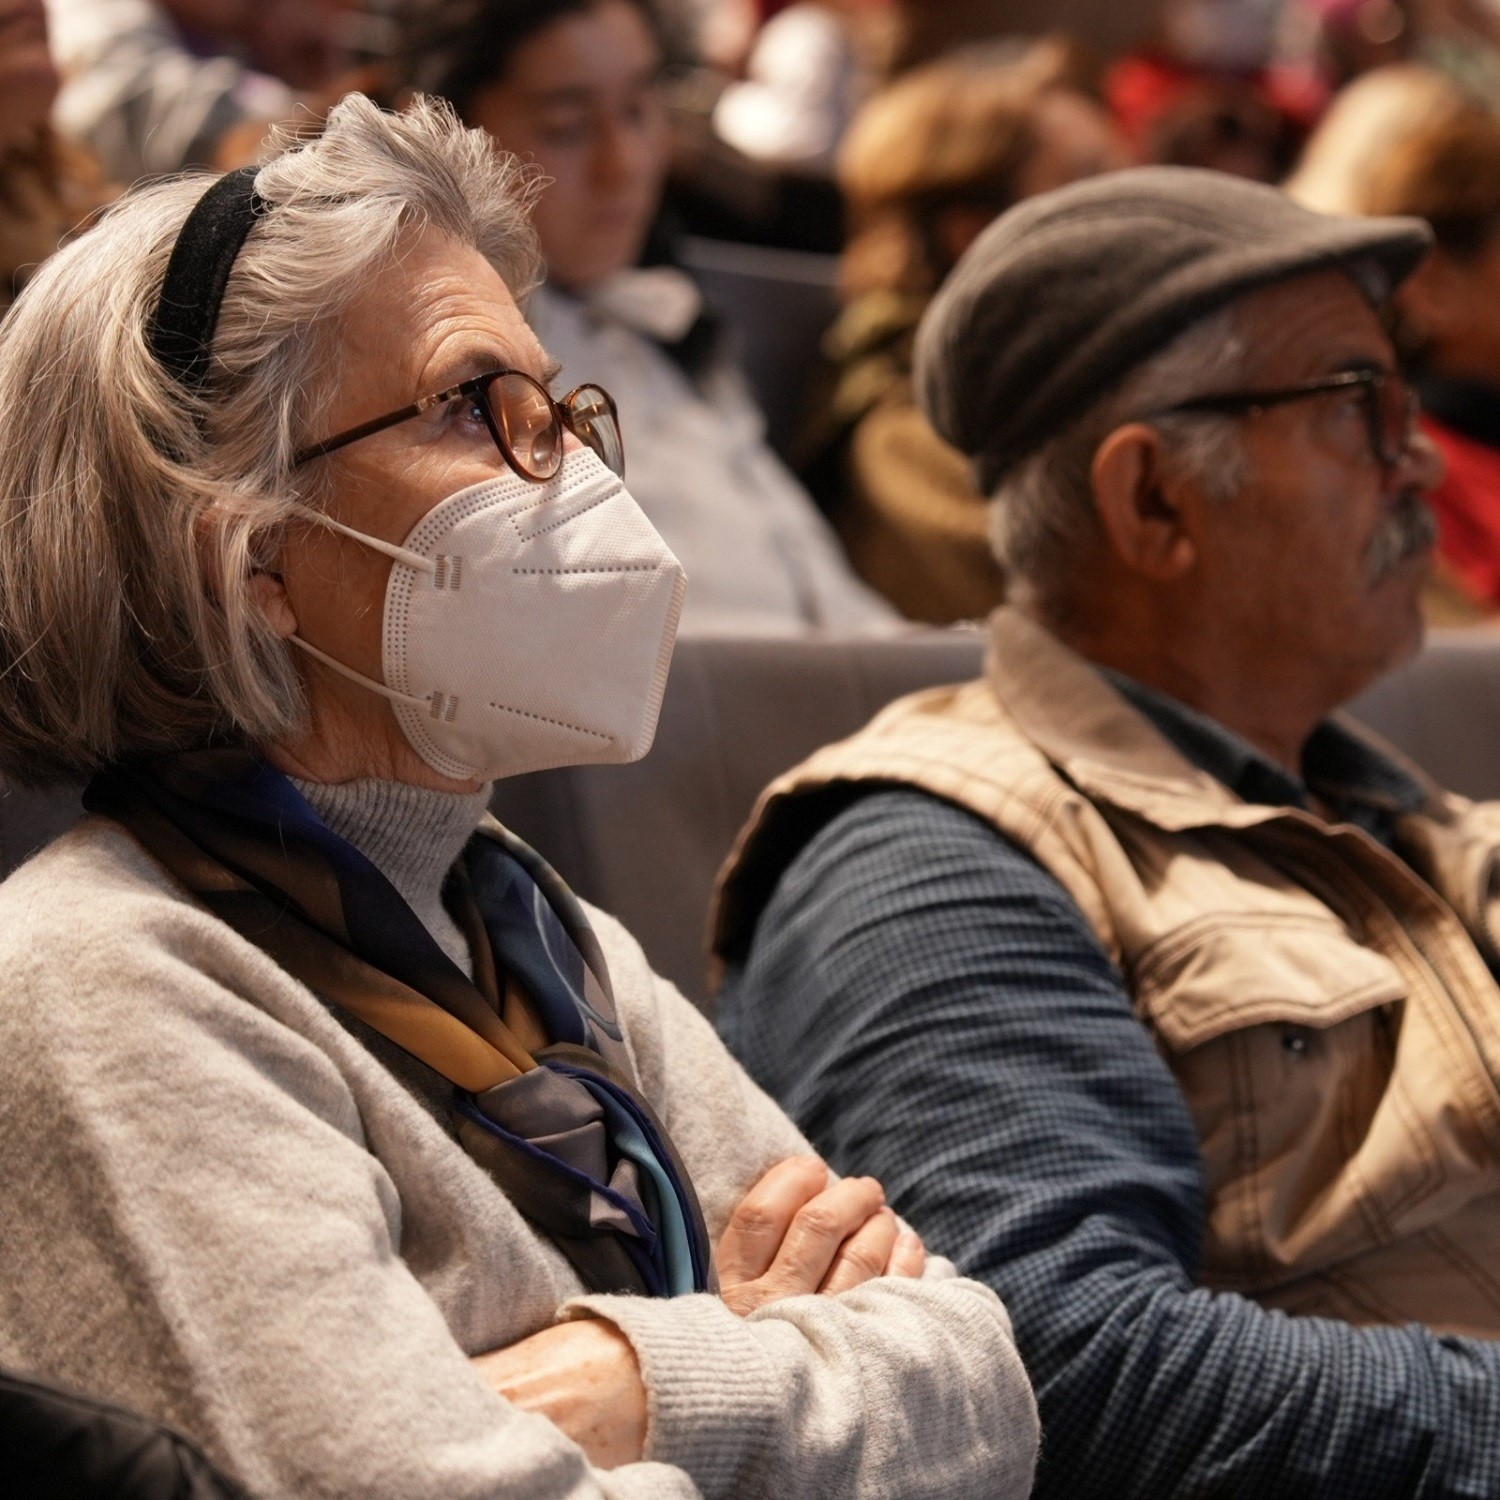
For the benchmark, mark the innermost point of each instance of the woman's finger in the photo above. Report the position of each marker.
(757, 1228)
(908, 1255)
(864, 1255)
(819, 1229)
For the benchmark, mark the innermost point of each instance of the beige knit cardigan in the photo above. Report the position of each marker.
(220, 1208)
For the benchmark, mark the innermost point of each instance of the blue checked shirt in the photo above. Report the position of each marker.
(932, 1008)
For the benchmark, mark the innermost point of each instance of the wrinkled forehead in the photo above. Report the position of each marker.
(1315, 324)
(435, 314)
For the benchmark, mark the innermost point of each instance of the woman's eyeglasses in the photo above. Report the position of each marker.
(525, 421)
(1390, 407)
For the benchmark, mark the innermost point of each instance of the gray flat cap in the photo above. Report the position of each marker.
(1066, 292)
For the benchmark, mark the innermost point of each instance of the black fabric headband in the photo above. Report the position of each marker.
(197, 273)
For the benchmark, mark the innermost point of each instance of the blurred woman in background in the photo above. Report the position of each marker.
(573, 86)
(1368, 120)
(926, 165)
(47, 186)
(1448, 172)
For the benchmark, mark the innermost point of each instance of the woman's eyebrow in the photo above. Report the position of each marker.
(474, 362)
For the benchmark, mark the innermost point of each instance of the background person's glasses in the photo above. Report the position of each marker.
(1390, 407)
(526, 423)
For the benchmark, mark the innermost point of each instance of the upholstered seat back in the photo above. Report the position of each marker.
(644, 841)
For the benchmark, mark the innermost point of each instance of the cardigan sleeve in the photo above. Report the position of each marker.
(900, 1387)
(932, 1008)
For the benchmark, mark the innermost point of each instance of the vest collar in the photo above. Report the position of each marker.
(1107, 747)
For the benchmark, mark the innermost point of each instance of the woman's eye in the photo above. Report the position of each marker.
(565, 129)
(467, 414)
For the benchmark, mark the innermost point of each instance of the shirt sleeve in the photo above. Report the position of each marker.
(901, 1387)
(931, 1007)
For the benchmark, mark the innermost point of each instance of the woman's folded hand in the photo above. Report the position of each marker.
(794, 1232)
(583, 1376)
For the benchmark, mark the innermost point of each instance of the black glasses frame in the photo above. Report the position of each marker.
(479, 385)
(1370, 383)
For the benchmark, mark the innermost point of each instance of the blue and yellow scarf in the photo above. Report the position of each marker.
(544, 1095)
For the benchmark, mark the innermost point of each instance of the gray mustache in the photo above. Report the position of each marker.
(1410, 529)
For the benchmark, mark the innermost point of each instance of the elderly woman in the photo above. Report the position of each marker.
(333, 1130)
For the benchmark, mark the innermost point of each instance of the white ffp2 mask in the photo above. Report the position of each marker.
(527, 625)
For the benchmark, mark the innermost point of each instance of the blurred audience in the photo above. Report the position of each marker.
(573, 86)
(48, 186)
(927, 164)
(1448, 172)
(1208, 91)
(153, 86)
(1364, 123)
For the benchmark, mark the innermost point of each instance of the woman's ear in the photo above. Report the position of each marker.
(268, 590)
(267, 587)
(1146, 512)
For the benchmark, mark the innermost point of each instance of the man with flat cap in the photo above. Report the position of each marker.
(1158, 996)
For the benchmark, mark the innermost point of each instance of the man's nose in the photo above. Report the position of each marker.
(1422, 466)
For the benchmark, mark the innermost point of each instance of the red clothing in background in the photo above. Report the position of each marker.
(1177, 112)
(1467, 503)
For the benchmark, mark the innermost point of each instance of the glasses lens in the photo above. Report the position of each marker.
(592, 416)
(524, 414)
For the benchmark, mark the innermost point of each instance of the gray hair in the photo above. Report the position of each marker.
(133, 513)
(1043, 517)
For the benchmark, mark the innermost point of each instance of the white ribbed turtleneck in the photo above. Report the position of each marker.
(412, 835)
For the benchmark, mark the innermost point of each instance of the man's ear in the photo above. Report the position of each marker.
(1146, 512)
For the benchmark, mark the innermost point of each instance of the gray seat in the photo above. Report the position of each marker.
(645, 841)
(777, 304)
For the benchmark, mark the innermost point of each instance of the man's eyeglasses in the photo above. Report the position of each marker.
(521, 415)
(1390, 406)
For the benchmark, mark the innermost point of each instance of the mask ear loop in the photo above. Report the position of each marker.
(402, 555)
(410, 699)
(399, 554)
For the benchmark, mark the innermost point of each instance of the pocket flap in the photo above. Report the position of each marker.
(1222, 973)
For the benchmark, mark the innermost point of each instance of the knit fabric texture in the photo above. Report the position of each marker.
(412, 835)
(930, 1006)
(222, 1211)
(1068, 290)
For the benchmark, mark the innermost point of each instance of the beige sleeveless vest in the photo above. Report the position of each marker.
(1325, 1006)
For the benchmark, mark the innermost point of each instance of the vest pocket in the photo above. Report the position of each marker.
(1221, 973)
(1281, 1034)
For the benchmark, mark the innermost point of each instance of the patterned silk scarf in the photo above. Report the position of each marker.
(544, 1097)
